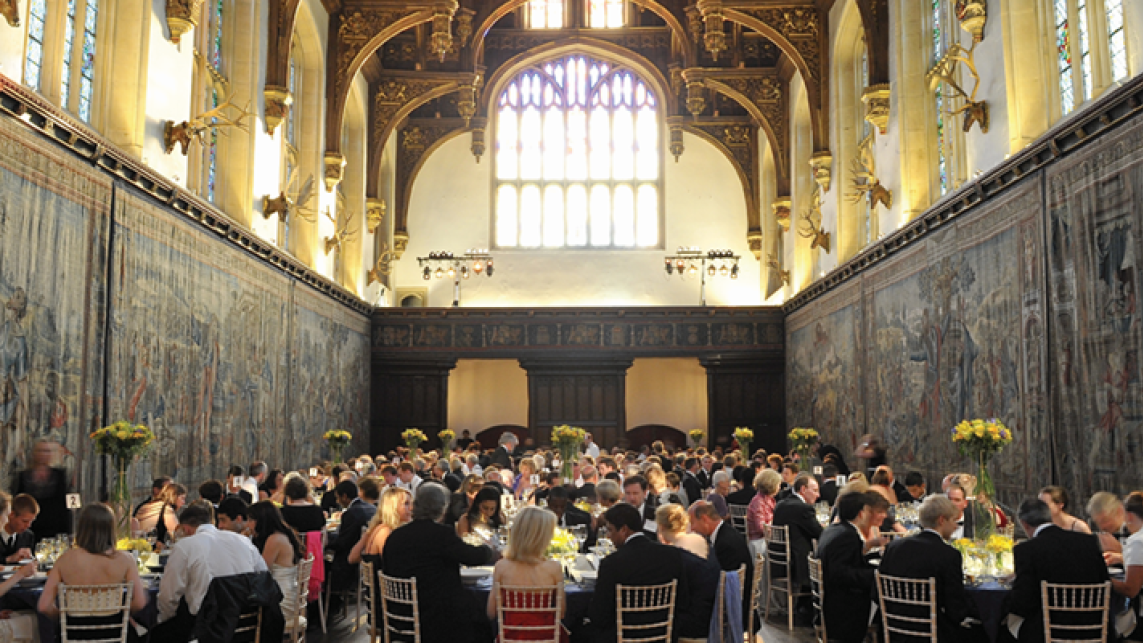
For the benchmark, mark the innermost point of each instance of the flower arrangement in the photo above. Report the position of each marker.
(963, 545)
(124, 442)
(337, 440)
(567, 440)
(447, 436)
(744, 436)
(134, 544)
(563, 544)
(413, 438)
(696, 436)
(998, 544)
(802, 440)
(980, 440)
(583, 505)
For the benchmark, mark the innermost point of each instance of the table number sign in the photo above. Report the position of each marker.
(73, 501)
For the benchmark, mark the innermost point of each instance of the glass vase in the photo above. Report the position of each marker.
(984, 517)
(120, 497)
(335, 452)
(569, 454)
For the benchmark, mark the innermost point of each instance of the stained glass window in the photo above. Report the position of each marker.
(1117, 39)
(545, 14)
(577, 160)
(34, 58)
(939, 98)
(214, 55)
(1064, 55)
(1085, 49)
(69, 41)
(78, 57)
(606, 14)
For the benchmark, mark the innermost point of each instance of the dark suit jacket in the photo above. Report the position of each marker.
(587, 492)
(641, 561)
(926, 555)
(24, 540)
(740, 497)
(829, 491)
(702, 580)
(703, 478)
(731, 552)
(693, 487)
(803, 526)
(1056, 556)
(356, 516)
(576, 516)
(501, 458)
(433, 553)
(848, 579)
(649, 507)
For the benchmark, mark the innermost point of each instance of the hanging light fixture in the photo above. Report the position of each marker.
(428, 273)
(734, 272)
(724, 271)
(464, 272)
(439, 273)
(711, 270)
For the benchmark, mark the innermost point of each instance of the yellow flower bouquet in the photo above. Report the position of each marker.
(802, 440)
(563, 544)
(744, 436)
(696, 436)
(447, 436)
(124, 442)
(567, 440)
(980, 440)
(413, 438)
(134, 544)
(337, 440)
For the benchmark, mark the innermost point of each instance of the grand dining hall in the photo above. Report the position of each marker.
(571, 320)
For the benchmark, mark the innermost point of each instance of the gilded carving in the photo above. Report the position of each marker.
(754, 240)
(10, 9)
(356, 29)
(765, 92)
(781, 209)
(464, 26)
(696, 98)
(799, 25)
(820, 164)
(182, 16)
(374, 214)
(876, 100)
(334, 170)
(441, 38)
(278, 101)
(400, 244)
(676, 141)
(392, 94)
(972, 14)
(478, 144)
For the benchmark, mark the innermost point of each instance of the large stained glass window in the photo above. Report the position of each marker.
(214, 10)
(34, 56)
(606, 14)
(1064, 55)
(938, 29)
(577, 160)
(79, 56)
(1117, 39)
(545, 14)
(1082, 26)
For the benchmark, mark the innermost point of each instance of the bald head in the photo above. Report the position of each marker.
(704, 518)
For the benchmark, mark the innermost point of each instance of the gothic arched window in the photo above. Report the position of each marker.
(1087, 66)
(578, 160)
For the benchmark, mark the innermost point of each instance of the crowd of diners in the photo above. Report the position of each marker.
(667, 511)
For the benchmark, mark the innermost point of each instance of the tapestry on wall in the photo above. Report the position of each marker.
(53, 221)
(1094, 242)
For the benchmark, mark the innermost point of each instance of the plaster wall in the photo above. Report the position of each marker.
(169, 71)
(669, 391)
(487, 392)
(450, 210)
(12, 45)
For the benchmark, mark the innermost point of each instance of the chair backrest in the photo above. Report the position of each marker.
(890, 536)
(738, 517)
(1075, 613)
(111, 603)
(720, 606)
(249, 628)
(645, 613)
(542, 605)
(817, 593)
(778, 550)
(402, 616)
(908, 606)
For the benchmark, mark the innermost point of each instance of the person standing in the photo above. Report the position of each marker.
(846, 573)
(48, 485)
(502, 456)
(590, 447)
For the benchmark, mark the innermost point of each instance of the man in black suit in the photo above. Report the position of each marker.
(847, 576)
(1052, 555)
(502, 456)
(728, 547)
(16, 539)
(705, 472)
(797, 514)
(590, 478)
(745, 492)
(357, 514)
(927, 555)
(432, 553)
(790, 472)
(635, 494)
(915, 485)
(829, 485)
(568, 515)
(691, 484)
(638, 560)
(965, 526)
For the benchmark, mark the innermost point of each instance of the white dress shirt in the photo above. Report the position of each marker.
(196, 560)
(250, 485)
(592, 450)
(412, 484)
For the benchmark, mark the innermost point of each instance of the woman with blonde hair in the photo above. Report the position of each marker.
(674, 530)
(525, 486)
(657, 485)
(162, 515)
(524, 565)
(394, 509)
(760, 512)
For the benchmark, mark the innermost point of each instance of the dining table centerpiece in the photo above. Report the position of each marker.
(447, 438)
(140, 549)
(981, 440)
(697, 436)
(413, 438)
(337, 439)
(744, 436)
(124, 442)
(802, 441)
(567, 441)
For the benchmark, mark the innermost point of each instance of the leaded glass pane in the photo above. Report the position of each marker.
(553, 216)
(87, 68)
(647, 216)
(623, 216)
(69, 42)
(1117, 39)
(606, 14)
(37, 14)
(1085, 50)
(600, 215)
(531, 216)
(577, 215)
(506, 216)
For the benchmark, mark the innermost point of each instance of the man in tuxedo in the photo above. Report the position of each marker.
(432, 553)
(965, 526)
(590, 478)
(705, 471)
(927, 555)
(691, 484)
(357, 514)
(846, 574)
(638, 560)
(790, 472)
(829, 485)
(16, 539)
(728, 547)
(635, 494)
(502, 456)
(568, 515)
(915, 485)
(1052, 555)
(797, 514)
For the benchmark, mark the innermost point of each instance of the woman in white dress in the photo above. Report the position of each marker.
(281, 549)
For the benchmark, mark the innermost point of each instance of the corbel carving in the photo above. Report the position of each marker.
(972, 14)
(754, 240)
(864, 178)
(479, 126)
(278, 102)
(820, 163)
(441, 39)
(975, 111)
(781, 207)
(400, 244)
(696, 98)
(10, 9)
(334, 169)
(374, 214)
(675, 145)
(182, 16)
(876, 101)
(464, 25)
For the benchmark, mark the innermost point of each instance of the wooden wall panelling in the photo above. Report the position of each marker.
(746, 391)
(589, 393)
(405, 394)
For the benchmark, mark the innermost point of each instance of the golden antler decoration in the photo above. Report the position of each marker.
(810, 224)
(863, 178)
(291, 200)
(10, 9)
(778, 277)
(188, 132)
(344, 232)
(384, 265)
(945, 71)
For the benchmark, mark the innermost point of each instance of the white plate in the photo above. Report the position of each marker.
(474, 573)
(585, 575)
